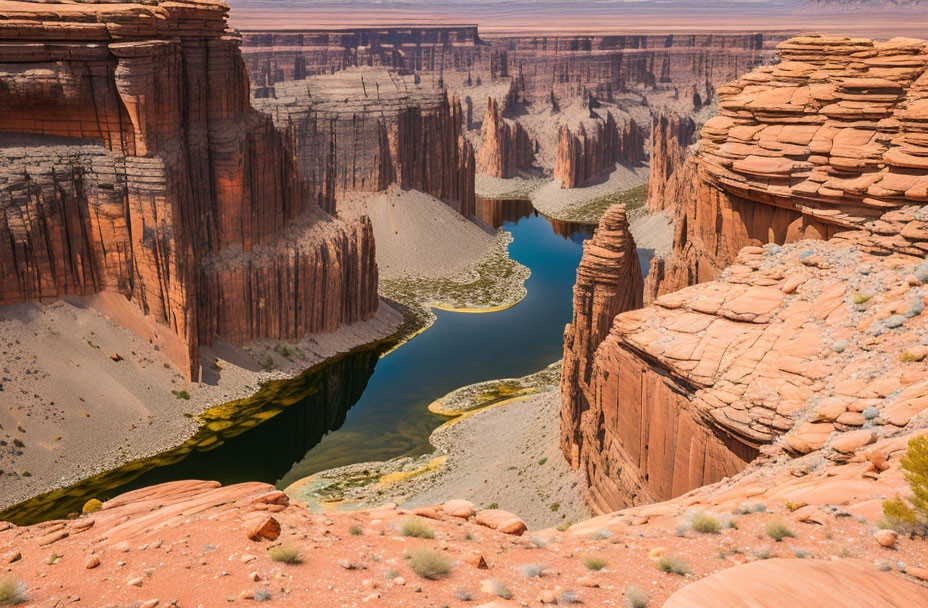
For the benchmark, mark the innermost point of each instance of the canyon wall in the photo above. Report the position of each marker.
(670, 137)
(505, 145)
(829, 144)
(826, 140)
(132, 162)
(593, 149)
(569, 66)
(363, 129)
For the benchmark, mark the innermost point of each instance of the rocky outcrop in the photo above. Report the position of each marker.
(774, 356)
(133, 163)
(364, 129)
(593, 149)
(608, 283)
(505, 147)
(828, 140)
(670, 137)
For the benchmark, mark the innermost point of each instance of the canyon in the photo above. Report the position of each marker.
(184, 205)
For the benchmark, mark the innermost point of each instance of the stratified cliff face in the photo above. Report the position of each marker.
(571, 66)
(826, 140)
(363, 129)
(505, 147)
(592, 151)
(608, 283)
(829, 144)
(670, 137)
(132, 162)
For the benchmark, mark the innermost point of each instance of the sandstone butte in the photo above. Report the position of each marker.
(134, 164)
(506, 147)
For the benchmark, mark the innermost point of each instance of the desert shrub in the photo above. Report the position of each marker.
(355, 531)
(554, 506)
(562, 527)
(603, 534)
(492, 505)
(262, 595)
(777, 530)
(635, 598)
(860, 297)
(532, 570)
(428, 563)
(593, 562)
(182, 394)
(910, 517)
(801, 553)
(539, 542)
(285, 554)
(705, 523)
(568, 597)
(498, 589)
(416, 528)
(464, 595)
(746, 508)
(794, 505)
(12, 591)
(268, 363)
(761, 553)
(672, 564)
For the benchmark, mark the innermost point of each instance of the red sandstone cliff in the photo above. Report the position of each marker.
(830, 138)
(364, 129)
(690, 390)
(608, 283)
(670, 137)
(592, 151)
(133, 163)
(505, 147)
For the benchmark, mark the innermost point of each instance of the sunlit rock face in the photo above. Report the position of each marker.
(829, 139)
(133, 162)
(766, 351)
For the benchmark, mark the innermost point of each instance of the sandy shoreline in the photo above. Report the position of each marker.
(82, 395)
(507, 453)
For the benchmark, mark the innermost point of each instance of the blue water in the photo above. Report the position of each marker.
(371, 408)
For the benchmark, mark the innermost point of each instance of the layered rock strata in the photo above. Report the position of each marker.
(594, 148)
(828, 140)
(782, 354)
(608, 283)
(670, 138)
(363, 129)
(505, 145)
(570, 66)
(133, 163)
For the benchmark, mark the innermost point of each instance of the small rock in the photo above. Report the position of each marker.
(265, 527)
(886, 538)
(92, 563)
(547, 596)
(149, 604)
(135, 582)
(255, 576)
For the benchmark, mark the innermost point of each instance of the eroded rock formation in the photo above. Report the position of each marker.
(570, 67)
(670, 137)
(364, 129)
(608, 283)
(825, 141)
(829, 144)
(593, 149)
(505, 147)
(132, 162)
